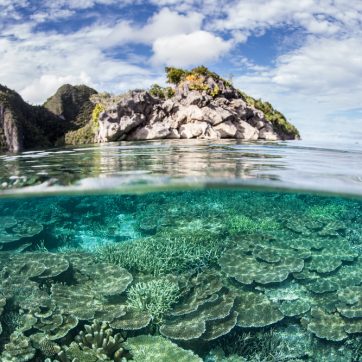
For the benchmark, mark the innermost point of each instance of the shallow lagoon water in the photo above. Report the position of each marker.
(167, 251)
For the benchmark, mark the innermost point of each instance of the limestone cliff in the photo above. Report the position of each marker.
(72, 103)
(23, 126)
(197, 104)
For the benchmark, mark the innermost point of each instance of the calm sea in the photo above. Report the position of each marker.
(182, 251)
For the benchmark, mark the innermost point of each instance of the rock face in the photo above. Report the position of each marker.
(23, 126)
(200, 105)
(188, 114)
(72, 103)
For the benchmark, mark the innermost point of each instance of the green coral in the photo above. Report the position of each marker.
(326, 212)
(244, 224)
(170, 253)
(155, 297)
(155, 348)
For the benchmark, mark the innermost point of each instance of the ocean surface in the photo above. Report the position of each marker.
(182, 251)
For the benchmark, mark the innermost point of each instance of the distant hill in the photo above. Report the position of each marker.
(197, 104)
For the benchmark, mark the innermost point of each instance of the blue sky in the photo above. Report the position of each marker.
(304, 56)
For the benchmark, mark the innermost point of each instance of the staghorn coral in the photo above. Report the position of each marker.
(170, 253)
(336, 293)
(154, 297)
(264, 345)
(242, 224)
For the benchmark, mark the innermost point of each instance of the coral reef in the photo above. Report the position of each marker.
(154, 297)
(170, 253)
(18, 349)
(156, 348)
(194, 268)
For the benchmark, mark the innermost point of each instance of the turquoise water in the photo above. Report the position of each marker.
(145, 253)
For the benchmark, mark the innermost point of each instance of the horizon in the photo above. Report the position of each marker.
(305, 57)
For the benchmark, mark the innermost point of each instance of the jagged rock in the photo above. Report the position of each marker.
(196, 98)
(153, 131)
(193, 130)
(268, 134)
(200, 105)
(111, 129)
(226, 129)
(72, 103)
(203, 106)
(246, 132)
(24, 126)
(169, 105)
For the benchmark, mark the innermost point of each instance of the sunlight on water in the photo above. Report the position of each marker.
(196, 163)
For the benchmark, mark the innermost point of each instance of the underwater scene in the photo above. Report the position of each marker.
(208, 275)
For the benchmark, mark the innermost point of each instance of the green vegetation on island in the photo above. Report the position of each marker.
(72, 114)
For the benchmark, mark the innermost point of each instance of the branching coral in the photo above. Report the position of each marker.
(242, 224)
(164, 253)
(99, 336)
(155, 297)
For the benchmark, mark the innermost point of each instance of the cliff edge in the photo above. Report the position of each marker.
(197, 104)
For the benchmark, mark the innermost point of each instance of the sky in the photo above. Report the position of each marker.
(304, 56)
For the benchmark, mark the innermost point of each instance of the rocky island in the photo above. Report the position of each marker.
(197, 104)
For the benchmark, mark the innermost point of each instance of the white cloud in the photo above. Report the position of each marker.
(323, 67)
(207, 7)
(37, 63)
(314, 16)
(313, 85)
(165, 22)
(44, 86)
(318, 79)
(189, 49)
